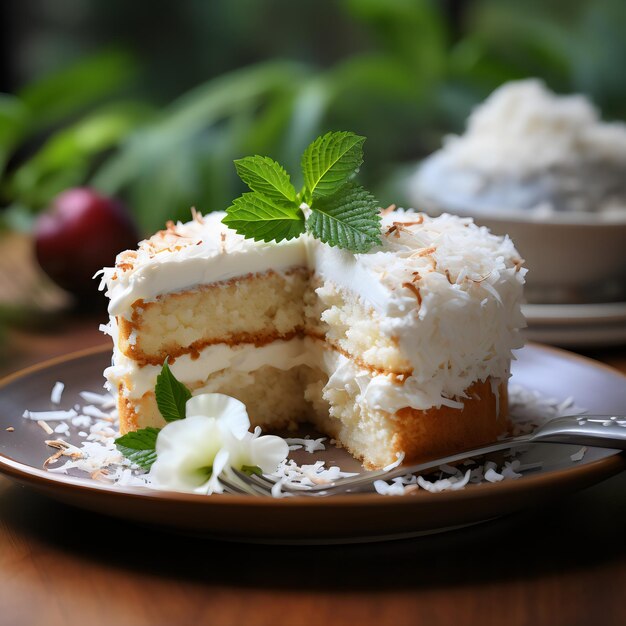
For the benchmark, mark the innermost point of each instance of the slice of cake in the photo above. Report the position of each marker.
(404, 349)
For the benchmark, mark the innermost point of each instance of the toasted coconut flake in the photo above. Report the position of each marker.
(416, 222)
(57, 443)
(53, 459)
(392, 229)
(99, 474)
(196, 215)
(416, 291)
(45, 427)
(426, 251)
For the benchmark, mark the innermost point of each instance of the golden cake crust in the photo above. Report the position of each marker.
(438, 432)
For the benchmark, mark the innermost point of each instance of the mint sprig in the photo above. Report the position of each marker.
(340, 212)
(267, 177)
(329, 162)
(171, 395)
(260, 218)
(344, 218)
(139, 446)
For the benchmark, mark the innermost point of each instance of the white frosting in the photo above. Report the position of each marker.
(468, 322)
(380, 392)
(526, 148)
(200, 253)
(464, 330)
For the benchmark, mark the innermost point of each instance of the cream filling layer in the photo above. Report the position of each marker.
(382, 392)
(281, 354)
(376, 391)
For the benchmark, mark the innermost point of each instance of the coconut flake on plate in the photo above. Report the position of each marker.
(94, 411)
(44, 426)
(63, 428)
(49, 416)
(105, 400)
(492, 476)
(57, 393)
(96, 424)
(309, 445)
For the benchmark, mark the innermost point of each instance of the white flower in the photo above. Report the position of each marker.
(214, 437)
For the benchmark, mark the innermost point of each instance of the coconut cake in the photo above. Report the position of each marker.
(403, 350)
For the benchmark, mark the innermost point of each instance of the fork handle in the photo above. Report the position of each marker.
(603, 431)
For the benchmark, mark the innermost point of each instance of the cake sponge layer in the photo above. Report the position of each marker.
(347, 323)
(377, 437)
(273, 398)
(256, 308)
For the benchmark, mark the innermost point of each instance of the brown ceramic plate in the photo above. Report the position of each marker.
(359, 517)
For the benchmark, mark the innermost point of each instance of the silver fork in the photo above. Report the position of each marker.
(603, 431)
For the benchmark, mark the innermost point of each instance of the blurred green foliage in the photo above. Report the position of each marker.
(416, 78)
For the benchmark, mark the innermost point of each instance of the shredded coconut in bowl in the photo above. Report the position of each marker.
(528, 149)
(94, 427)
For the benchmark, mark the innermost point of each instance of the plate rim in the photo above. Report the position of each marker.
(24, 473)
(575, 314)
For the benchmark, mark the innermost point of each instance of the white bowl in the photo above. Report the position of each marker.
(571, 257)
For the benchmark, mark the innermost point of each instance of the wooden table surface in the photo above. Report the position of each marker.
(562, 564)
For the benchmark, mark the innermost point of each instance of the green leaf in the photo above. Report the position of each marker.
(349, 219)
(330, 161)
(139, 446)
(13, 123)
(266, 177)
(68, 91)
(413, 33)
(200, 128)
(72, 148)
(171, 395)
(257, 217)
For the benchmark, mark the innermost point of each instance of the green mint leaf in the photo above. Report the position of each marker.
(266, 177)
(256, 217)
(171, 395)
(348, 219)
(139, 446)
(329, 162)
(252, 469)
